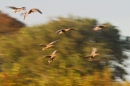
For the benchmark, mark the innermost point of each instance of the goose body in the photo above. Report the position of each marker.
(31, 11)
(99, 27)
(52, 56)
(62, 31)
(15, 9)
(93, 54)
(51, 44)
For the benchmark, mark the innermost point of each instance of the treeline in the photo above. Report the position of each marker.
(20, 64)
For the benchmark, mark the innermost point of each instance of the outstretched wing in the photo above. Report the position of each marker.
(97, 28)
(24, 8)
(41, 44)
(34, 10)
(54, 52)
(38, 11)
(52, 58)
(94, 50)
(58, 31)
(25, 14)
(67, 29)
(12, 7)
(53, 42)
(47, 56)
(84, 56)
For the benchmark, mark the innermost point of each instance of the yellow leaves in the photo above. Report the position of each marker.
(62, 65)
(67, 69)
(98, 78)
(15, 69)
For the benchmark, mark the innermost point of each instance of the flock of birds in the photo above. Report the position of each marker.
(62, 31)
(15, 9)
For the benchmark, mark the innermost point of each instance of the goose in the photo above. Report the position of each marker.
(62, 31)
(99, 27)
(15, 9)
(31, 11)
(93, 54)
(48, 45)
(52, 56)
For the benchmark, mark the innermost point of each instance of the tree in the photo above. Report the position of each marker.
(20, 53)
(9, 24)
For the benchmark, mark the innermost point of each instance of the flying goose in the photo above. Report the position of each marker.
(93, 54)
(48, 45)
(15, 9)
(52, 56)
(99, 27)
(62, 31)
(31, 11)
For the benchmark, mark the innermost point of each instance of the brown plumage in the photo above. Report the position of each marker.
(51, 44)
(15, 9)
(62, 31)
(31, 11)
(99, 27)
(93, 54)
(52, 56)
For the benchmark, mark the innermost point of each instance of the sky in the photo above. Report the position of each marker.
(114, 11)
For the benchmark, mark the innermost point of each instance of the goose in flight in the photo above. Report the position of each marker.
(52, 56)
(62, 31)
(93, 54)
(15, 9)
(31, 11)
(48, 45)
(99, 27)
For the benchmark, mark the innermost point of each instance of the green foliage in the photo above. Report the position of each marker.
(22, 64)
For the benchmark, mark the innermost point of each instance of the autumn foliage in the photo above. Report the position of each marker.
(19, 55)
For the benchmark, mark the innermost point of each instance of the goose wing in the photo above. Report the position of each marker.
(34, 10)
(25, 14)
(24, 8)
(53, 42)
(58, 31)
(52, 58)
(38, 11)
(12, 7)
(94, 50)
(67, 29)
(97, 28)
(54, 52)
(41, 45)
(47, 56)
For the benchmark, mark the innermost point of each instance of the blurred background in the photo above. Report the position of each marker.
(20, 39)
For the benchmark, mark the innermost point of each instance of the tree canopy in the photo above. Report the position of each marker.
(20, 53)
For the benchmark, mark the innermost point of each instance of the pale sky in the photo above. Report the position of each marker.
(114, 11)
